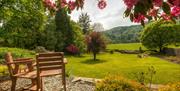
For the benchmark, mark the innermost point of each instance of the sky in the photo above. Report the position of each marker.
(111, 16)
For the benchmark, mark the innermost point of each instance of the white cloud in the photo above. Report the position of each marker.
(110, 17)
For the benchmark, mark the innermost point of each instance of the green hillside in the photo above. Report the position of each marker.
(125, 34)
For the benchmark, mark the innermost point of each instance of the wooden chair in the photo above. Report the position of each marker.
(16, 72)
(49, 64)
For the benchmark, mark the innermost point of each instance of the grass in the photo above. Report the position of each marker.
(123, 64)
(3, 70)
(127, 46)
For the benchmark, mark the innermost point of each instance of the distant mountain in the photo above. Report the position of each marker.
(124, 34)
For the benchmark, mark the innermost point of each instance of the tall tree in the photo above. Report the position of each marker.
(67, 32)
(84, 21)
(63, 29)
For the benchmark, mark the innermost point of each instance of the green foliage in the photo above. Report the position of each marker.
(84, 21)
(16, 52)
(127, 34)
(166, 8)
(170, 87)
(95, 43)
(118, 83)
(78, 37)
(67, 32)
(160, 34)
(22, 22)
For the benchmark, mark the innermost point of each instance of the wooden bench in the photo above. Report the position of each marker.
(49, 64)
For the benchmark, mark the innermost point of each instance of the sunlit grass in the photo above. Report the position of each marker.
(126, 46)
(124, 64)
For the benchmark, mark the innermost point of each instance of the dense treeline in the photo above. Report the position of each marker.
(125, 34)
(27, 25)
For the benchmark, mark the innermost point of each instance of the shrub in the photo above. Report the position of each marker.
(16, 52)
(72, 49)
(118, 83)
(171, 87)
(40, 49)
(95, 43)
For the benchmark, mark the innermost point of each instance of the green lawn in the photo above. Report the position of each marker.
(123, 64)
(127, 46)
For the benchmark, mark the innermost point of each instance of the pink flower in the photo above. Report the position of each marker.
(130, 3)
(175, 11)
(139, 18)
(158, 3)
(102, 4)
(63, 3)
(174, 2)
(153, 12)
(165, 16)
(49, 4)
(72, 5)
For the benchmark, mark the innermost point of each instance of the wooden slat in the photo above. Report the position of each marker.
(26, 75)
(50, 63)
(50, 54)
(50, 67)
(56, 58)
(51, 72)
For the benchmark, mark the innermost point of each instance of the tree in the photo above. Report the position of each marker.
(67, 32)
(159, 34)
(98, 27)
(84, 21)
(21, 22)
(64, 32)
(95, 43)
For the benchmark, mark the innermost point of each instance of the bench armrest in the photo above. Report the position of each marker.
(22, 59)
(21, 62)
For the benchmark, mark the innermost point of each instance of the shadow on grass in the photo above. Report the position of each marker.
(91, 61)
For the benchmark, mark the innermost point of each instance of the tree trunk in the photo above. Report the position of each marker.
(94, 54)
(160, 49)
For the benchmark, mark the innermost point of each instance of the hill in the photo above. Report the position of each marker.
(124, 34)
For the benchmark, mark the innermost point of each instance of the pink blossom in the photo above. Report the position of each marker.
(63, 3)
(175, 11)
(165, 16)
(49, 4)
(139, 18)
(130, 3)
(158, 3)
(71, 5)
(177, 3)
(102, 4)
(153, 12)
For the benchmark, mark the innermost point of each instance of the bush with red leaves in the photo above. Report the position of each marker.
(95, 43)
(72, 49)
